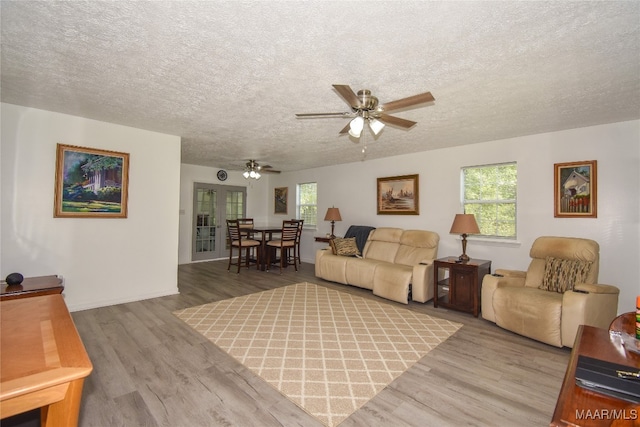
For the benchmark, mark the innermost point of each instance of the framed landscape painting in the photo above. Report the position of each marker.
(398, 195)
(575, 189)
(90, 183)
(280, 200)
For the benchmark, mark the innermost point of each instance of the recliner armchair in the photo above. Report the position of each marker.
(544, 303)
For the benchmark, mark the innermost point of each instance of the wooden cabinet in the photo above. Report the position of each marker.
(457, 285)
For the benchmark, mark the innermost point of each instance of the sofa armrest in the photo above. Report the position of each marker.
(511, 273)
(422, 281)
(587, 304)
(319, 254)
(589, 288)
(490, 283)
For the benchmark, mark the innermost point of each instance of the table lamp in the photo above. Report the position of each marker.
(333, 215)
(464, 224)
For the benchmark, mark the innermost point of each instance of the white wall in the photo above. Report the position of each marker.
(616, 147)
(103, 261)
(257, 193)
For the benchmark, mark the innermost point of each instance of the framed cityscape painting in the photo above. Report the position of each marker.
(575, 189)
(398, 195)
(90, 183)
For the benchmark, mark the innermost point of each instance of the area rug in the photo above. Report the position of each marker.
(327, 351)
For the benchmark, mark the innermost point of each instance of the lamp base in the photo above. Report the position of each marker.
(464, 258)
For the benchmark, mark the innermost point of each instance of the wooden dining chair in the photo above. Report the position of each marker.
(246, 226)
(296, 253)
(286, 243)
(239, 240)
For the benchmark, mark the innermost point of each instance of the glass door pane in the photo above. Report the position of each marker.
(205, 224)
(234, 208)
(212, 206)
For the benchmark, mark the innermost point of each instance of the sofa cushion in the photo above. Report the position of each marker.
(383, 244)
(561, 275)
(360, 272)
(417, 246)
(332, 267)
(391, 281)
(531, 312)
(344, 247)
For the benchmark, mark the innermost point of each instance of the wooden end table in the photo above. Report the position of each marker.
(32, 287)
(461, 289)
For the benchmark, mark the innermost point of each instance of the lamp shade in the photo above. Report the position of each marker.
(333, 214)
(376, 126)
(356, 126)
(464, 224)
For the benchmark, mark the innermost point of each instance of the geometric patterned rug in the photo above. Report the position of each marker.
(327, 351)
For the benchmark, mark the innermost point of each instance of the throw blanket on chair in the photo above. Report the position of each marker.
(361, 233)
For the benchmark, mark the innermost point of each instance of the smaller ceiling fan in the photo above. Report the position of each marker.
(365, 109)
(254, 170)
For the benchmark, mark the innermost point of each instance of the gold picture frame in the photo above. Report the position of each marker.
(280, 196)
(90, 183)
(399, 195)
(575, 189)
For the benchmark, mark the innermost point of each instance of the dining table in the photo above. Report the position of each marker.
(267, 232)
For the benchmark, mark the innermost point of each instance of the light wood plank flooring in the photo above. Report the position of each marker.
(150, 369)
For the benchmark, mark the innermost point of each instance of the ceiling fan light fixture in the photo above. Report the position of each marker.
(246, 174)
(356, 126)
(376, 126)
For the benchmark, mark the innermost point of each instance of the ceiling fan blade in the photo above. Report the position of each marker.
(311, 115)
(396, 121)
(348, 95)
(407, 102)
(267, 169)
(345, 129)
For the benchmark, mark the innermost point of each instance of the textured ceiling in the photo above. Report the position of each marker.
(229, 76)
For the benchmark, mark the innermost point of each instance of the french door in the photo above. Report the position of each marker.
(212, 206)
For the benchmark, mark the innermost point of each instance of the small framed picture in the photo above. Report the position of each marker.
(90, 183)
(398, 195)
(575, 190)
(280, 200)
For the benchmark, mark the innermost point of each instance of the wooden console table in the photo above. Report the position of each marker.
(577, 406)
(43, 363)
(31, 287)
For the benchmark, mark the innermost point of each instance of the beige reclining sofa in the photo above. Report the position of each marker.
(391, 261)
(557, 294)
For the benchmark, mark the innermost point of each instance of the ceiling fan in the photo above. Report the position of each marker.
(365, 109)
(253, 170)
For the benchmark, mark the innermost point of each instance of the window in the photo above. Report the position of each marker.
(489, 192)
(307, 204)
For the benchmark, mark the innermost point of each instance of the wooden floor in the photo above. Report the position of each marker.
(150, 369)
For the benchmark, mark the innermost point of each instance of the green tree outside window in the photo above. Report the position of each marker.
(489, 192)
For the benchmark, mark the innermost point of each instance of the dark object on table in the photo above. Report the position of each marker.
(611, 379)
(14, 279)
